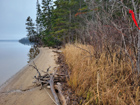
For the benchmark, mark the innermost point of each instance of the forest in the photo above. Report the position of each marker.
(102, 42)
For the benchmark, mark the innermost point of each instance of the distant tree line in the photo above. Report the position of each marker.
(25, 41)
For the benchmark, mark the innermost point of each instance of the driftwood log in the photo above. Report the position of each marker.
(52, 80)
(61, 96)
(53, 90)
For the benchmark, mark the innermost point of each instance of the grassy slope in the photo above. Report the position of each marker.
(101, 79)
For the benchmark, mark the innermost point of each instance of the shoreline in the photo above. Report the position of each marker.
(20, 84)
(22, 69)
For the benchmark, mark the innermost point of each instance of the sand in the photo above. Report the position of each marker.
(19, 90)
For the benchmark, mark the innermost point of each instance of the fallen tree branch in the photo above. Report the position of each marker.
(53, 90)
(35, 67)
(50, 79)
(61, 96)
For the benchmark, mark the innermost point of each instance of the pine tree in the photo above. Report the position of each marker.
(58, 21)
(46, 13)
(61, 20)
(30, 29)
(64, 20)
(39, 23)
(47, 23)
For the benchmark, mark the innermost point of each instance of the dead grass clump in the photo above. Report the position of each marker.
(103, 79)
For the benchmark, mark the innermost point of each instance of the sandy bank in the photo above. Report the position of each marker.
(19, 90)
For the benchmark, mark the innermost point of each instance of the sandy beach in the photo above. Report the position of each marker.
(19, 89)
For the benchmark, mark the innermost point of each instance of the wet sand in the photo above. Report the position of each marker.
(19, 90)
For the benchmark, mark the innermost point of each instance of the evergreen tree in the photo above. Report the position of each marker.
(58, 21)
(47, 18)
(39, 24)
(64, 20)
(30, 29)
(46, 14)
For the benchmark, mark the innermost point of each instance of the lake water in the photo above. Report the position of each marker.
(13, 57)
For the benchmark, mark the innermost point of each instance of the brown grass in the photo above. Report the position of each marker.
(102, 79)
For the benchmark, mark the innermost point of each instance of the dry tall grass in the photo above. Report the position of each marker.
(102, 79)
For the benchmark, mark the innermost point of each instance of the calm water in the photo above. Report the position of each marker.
(13, 57)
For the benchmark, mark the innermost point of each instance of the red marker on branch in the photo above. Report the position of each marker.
(133, 17)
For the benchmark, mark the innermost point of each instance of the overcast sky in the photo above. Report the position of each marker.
(13, 15)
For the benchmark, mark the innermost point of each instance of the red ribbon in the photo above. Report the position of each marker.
(133, 17)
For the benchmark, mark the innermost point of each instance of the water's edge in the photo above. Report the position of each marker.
(22, 69)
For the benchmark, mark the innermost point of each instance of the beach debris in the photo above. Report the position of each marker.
(51, 80)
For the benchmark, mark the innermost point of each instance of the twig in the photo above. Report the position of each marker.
(84, 50)
(48, 69)
(35, 67)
